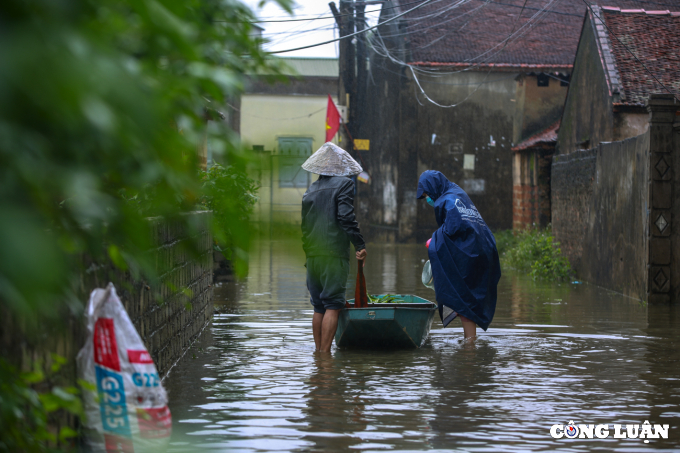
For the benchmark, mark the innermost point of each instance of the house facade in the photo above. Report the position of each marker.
(444, 95)
(455, 87)
(285, 122)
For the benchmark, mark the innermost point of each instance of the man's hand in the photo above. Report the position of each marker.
(361, 255)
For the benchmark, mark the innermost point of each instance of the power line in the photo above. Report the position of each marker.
(513, 36)
(324, 17)
(356, 33)
(415, 77)
(589, 6)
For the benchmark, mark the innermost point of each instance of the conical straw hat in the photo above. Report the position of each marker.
(331, 160)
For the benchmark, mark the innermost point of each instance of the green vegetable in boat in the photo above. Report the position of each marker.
(386, 299)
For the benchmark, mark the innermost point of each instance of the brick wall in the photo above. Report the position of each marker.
(166, 315)
(531, 187)
(525, 207)
(571, 191)
(599, 213)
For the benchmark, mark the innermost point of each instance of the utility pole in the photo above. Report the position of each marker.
(347, 64)
(362, 72)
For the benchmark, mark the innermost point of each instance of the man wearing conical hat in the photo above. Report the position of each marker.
(328, 227)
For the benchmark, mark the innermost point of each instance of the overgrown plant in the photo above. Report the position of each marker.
(230, 194)
(103, 108)
(25, 411)
(535, 252)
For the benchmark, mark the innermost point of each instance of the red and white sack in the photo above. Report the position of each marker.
(128, 411)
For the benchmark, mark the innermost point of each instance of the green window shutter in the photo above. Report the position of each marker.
(293, 151)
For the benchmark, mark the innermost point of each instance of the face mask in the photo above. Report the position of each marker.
(429, 201)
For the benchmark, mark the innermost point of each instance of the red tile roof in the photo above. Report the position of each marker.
(475, 32)
(654, 38)
(547, 136)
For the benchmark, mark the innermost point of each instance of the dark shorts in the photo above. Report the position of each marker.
(327, 282)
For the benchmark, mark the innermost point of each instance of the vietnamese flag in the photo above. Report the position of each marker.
(332, 120)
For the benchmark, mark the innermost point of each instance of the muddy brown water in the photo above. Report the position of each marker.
(554, 353)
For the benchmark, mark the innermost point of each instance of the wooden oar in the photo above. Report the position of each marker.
(360, 295)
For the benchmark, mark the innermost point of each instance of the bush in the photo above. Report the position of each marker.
(230, 194)
(535, 252)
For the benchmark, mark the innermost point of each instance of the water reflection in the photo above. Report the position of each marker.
(554, 353)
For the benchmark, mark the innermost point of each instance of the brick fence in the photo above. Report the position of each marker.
(168, 315)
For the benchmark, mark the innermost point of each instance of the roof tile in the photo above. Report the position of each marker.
(474, 32)
(654, 38)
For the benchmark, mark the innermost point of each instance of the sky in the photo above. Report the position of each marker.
(289, 35)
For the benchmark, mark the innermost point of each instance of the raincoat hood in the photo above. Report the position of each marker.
(331, 160)
(433, 183)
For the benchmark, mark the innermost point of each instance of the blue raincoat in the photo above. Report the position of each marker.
(462, 252)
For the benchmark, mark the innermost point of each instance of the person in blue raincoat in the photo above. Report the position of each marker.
(463, 255)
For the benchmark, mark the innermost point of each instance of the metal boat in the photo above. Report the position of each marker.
(386, 325)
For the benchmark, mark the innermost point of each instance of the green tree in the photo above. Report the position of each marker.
(102, 108)
(102, 103)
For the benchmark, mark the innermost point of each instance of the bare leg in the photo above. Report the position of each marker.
(328, 328)
(469, 327)
(317, 321)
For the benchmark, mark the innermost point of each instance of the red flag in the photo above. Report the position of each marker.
(332, 120)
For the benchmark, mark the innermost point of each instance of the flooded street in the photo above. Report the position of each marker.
(554, 353)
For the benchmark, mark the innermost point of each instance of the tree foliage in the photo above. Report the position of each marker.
(102, 108)
(230, 194)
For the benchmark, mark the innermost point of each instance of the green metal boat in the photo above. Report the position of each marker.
(386, 325)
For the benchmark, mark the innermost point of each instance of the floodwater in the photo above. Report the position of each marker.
(553, 354)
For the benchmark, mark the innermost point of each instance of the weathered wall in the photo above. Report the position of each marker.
(599, 213)
(266, 118)
(409, 134)
(481, 127)
(588, 117)
(541, 105)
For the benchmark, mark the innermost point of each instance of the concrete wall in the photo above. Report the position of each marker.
(588, 118)
(537, 107)
(600, 213)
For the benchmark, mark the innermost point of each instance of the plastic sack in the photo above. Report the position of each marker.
(128, 411)
(427, 278)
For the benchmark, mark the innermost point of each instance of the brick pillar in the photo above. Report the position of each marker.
(662, 110)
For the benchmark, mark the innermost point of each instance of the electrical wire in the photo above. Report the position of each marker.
(356, 33)
(415, 77)
(330, 17)
(381, 49)
(513, 36)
